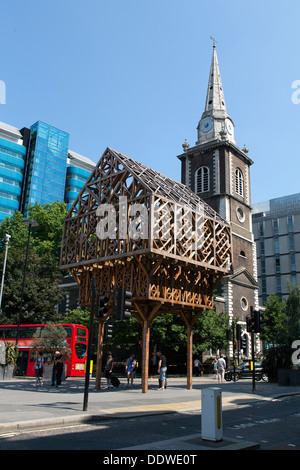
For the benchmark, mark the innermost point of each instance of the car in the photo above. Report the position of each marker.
(243, 371)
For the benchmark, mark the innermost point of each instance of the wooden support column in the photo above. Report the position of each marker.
(145, 316)
(189, 320)
(145, 357)
(99, 356)
(189, 357)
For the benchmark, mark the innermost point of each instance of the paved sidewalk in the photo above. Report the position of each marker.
(23, 406)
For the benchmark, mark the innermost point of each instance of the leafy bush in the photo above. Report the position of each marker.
(276, 357)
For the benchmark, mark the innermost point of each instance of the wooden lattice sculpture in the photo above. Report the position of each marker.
(132, 227)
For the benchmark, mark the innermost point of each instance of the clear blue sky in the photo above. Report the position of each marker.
(133, 75)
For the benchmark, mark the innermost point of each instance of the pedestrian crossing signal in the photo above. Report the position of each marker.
(123, 304)
(101, 308)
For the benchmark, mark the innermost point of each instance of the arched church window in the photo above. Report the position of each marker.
(202, 179)
(239, 182)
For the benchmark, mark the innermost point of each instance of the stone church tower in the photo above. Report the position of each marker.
(219, 172)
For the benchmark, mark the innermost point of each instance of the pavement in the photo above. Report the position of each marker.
(24, 406)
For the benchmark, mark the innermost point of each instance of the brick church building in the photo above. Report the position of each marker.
(219, 172)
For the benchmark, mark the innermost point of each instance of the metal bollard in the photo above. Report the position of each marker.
(211, 414)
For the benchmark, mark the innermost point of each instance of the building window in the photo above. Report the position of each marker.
(202, 180)
(278, 284)
(291, 240)
(240, 214)
(261, 229)
(244, 303)
(293, 262)
(239, 182)
(275, 225)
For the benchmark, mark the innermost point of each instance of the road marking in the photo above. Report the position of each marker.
(9, 434)
(254, 423)
(54, 428)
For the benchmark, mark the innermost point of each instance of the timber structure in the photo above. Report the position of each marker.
(135, 228)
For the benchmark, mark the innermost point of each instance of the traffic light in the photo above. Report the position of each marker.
(108, 330)
(123, 304)
(258, 321)
(250, 324)
(244, 342)
(101, 307)
(228, 335)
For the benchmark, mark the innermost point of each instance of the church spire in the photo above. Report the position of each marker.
(215, 123)
(215, 100)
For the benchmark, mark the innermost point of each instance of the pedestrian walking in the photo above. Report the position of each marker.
(215, 365)
(58, 367)
(196, 367)
(39, 368)
(221, 368)
(109, 368)
(130, 369)
(162, 369)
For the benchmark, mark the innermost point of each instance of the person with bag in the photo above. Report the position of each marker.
(162, 369)
(109, 368)
(221, 368)
(130, 369)
(58, 367)
(39, 369)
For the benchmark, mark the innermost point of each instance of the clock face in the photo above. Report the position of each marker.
(206, 125)
(229, 127)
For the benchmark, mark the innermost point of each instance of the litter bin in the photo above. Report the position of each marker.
(211, 414)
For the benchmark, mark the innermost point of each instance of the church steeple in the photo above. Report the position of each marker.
(215, 123)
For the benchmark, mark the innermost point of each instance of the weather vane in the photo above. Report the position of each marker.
(213, 39)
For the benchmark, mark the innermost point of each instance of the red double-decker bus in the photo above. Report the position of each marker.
(76, 341)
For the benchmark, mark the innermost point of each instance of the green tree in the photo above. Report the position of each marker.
(292, 313)
(53, 338)
(41, 289)
(210, 331)
(274, 321)
(78, 316)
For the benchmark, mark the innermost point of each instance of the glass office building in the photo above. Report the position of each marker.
(276, 228)
(79, 169)
(47, 162)
(12, 162)
(36, 165)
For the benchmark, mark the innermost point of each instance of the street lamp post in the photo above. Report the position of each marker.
(28, 223)
(6, 241)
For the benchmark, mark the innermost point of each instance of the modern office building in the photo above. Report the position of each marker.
(276, 228)
(79, 169)
(36, 165)
(46, 165)
(12, 166)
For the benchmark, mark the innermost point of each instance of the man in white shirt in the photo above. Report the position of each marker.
(221, 368)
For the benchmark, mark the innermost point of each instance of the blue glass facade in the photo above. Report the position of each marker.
(48, 152)
(36, 166)
(76, 179)
(12, 162)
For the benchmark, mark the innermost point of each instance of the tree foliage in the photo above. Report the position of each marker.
(274, 321)
(42, 278)
(53, 338)
(169, 332)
